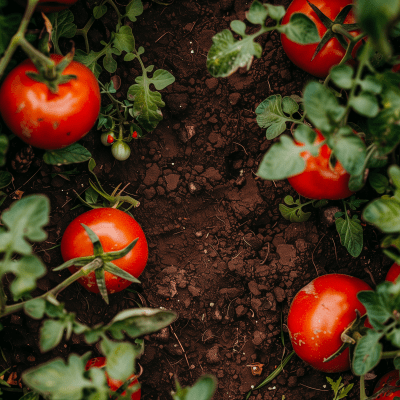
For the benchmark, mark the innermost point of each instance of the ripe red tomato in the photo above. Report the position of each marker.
(393, 273)
(330, 54)
(389, 379)
(319, 180)
(116, 230)
(46, 120)
(49, 6)
(318, 315)
(114, 384)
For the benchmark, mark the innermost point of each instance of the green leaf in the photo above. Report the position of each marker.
(124, 40)
(257, 13)
(120, 358)
(99, 11)
(27, 270)
(3, 148)
(35, 308)
(351, 234)
(275, 12)
(293, 214)
(271, 114)
(283, 159)
(227, 54)
(366, 104)
(90, 60)
(384, 213)
(300, 29)
(5, 179)
(25, 220)
(322, 107)
(75, 153)
(138, 322)
(134, 9)
(238, 27)
(394, 337)
(8, 27)
(147, 103)
(371, 84)
(91, 196)
(367, 353)
(51, 333)
(63, 26)
(376, 306)
(349, 149)
(59, 380)
(379, 182)
(342, 76)
(203, 389)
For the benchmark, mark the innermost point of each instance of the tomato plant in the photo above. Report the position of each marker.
(389, 379)
(50, 120)
(116, 230)
(318, 315)
(332, 47)
(114, 384)
(320, 179)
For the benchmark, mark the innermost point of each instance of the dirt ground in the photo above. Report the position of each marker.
(221, 254)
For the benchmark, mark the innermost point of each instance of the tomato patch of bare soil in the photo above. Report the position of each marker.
(221, 254)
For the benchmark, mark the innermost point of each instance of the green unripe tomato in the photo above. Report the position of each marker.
(108, 138)
(120, 150)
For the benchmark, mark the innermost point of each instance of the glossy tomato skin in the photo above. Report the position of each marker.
(116, 230)
(389, 379)
(319, 180)
(332, 53)
(114, 384)
(45, 120)
(318, 315)
(393, 273)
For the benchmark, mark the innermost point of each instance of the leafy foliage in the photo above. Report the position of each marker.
(75, 153)
(203, 389)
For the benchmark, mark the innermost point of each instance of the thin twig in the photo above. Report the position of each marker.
(312, 255)
(265, 259)
(180, 344)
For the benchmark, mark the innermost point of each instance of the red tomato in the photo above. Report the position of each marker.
(393, 273)
(114, 384)
(319, 180)
(116, 230)
(318, 315)
(330, 54)
(46, 120)
(389, 379)
(49, 6)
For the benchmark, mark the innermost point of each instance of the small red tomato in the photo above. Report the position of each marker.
(46, 120)
(114, 384)
(320, 180)
(110, 139)
(318, 315)
(390, 379)
(393, 273)
(332, 52)
(134, 135)
(116, 230)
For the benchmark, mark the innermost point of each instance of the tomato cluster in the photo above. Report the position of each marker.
(50, 120)
(114, 384)
(115, 230)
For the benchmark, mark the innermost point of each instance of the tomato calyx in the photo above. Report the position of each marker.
(51, 74)
(107, 265)
(350, 335)
(331, 25)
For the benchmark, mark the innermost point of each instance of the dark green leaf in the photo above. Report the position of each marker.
(394, 337)
(8, 27)
(300, 29)
(376, 306)
(91, 196)
(351, 234)
(3, 149)
(63, 26)
(5, 179)
(342, 76)
(35, 308)
(322, 107)
(379, 182)
(293, 214)
(271, 114)
(203, 389)
(366, 104)
(124, 40)
(75, 153)
(99, 11)
(367, 353)
(134, 9)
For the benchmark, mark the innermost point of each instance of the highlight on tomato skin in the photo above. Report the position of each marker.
(318, 315)
(320, 180)
(115, 229)
(389, 379)
(332, 52)
(114, 384)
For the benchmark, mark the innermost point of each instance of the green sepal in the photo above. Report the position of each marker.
(113, 269)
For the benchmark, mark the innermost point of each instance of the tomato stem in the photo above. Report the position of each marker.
(363, 395)
(84, 271)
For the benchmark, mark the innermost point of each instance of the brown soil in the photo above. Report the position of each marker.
(221, 254)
